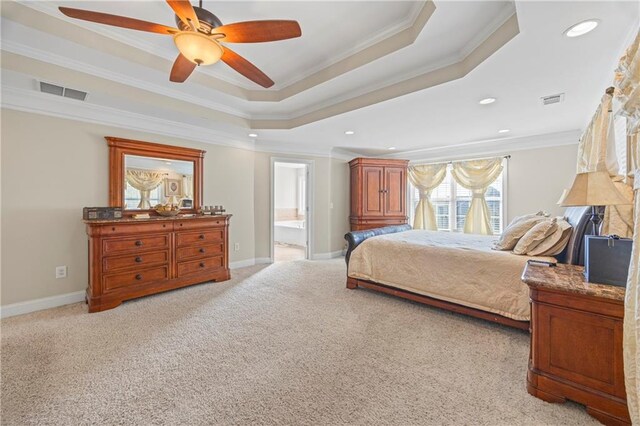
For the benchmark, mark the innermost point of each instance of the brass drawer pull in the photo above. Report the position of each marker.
(138, 277)
(202, 264)
(201, 236)
(202, 250)
(138, 259)
(138, 243)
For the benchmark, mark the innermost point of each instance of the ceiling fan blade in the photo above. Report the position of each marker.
(245, 68)
(117, 21)
(185, 12)
(182, 69)
(259, 31)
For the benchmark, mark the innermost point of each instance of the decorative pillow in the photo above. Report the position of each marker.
(528, 216)
(515, 231)
(535, 236)
(554, 243)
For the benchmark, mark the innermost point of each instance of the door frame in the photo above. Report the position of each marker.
(309, 199)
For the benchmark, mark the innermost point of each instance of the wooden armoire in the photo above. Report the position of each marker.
(378, 193)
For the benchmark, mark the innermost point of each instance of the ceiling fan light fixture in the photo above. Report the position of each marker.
(198, 48)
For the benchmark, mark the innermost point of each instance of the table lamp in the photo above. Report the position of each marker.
(592, 189)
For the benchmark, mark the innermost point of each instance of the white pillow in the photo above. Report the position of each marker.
(515, 231)
(528, 216)
(554, 243)
(535, 236)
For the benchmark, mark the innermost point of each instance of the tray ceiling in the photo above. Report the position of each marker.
(401, 73)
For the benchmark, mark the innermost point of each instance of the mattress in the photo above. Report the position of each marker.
(458, 268)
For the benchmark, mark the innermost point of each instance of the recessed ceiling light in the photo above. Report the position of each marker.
(391, 148)
(487, 101)
(349, 132)
(253, 135)
(582, 28)
(504, 131)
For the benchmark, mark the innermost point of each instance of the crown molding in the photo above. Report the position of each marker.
(55, 106)
(65, 62)
(71, 109)
(498, 38)
(489, 147)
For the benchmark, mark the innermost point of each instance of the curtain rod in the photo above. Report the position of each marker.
(506, 157)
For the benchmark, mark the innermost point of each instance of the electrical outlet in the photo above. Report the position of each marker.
(236, 247)
(61, 271)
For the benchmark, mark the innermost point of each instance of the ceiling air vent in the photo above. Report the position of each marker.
(552, 99)
(54, 89)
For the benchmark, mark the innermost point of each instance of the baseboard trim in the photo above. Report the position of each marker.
(249, 262)
(29, 306)
(41, 304)
(327, 256)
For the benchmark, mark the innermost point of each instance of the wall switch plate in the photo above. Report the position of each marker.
(61, 271)
(236, 247)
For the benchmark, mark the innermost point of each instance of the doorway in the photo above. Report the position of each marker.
(290, 212)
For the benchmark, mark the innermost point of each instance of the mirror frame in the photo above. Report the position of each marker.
(119, 147)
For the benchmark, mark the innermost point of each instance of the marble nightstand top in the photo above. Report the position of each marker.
(568, 278)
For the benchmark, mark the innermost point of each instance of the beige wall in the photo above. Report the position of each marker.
(537, 177)
(326, 190)
(52, 168)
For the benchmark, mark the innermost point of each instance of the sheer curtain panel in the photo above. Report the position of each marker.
(628, 93)
(426, 178)
(476, 176)
(144, 181)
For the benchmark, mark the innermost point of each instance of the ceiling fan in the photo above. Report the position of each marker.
(199, 36)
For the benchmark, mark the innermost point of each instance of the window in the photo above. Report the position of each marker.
(132, 197)
(451, 203)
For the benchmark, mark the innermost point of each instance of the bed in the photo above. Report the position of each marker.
(458, 272)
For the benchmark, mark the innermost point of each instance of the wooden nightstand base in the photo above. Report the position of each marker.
(607, 410)
(576, 342)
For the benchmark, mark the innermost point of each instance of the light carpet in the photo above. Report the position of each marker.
(283, 344)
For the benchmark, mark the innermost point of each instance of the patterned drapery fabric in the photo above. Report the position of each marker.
(144, 181)
(426, 178)
(627, 85)
(476, 176)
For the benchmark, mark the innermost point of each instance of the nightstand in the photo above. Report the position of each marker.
(576, 341)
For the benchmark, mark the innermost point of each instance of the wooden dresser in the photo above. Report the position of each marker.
(129, 258)
(576, 341)
(378, 193)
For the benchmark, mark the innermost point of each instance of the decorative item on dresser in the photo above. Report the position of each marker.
(576, 341)
(378, 193)
(129, 258)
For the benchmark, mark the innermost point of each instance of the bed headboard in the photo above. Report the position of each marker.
(579, 218)
(354, 238)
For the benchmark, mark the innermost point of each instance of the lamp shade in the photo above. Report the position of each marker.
(592, 189)
(198, 48)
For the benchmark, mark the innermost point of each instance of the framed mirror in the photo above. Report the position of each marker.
(144, 174)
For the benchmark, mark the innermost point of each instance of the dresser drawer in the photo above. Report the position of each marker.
(208, 223)
(139, 260)
(199, 266)
(198, 252)
(133, 278)
(134, 228)
(199, 237)
(142, 243)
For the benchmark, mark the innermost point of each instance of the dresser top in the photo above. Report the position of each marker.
(570, 279)
(155, 219)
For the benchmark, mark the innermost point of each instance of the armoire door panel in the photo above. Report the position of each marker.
(373, 186)
(395, 188)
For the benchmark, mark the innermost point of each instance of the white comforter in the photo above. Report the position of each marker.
(459, 268)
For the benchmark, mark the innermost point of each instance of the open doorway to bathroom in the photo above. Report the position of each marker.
(290, 212)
